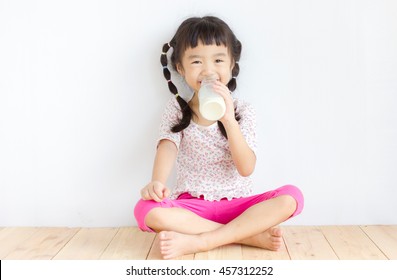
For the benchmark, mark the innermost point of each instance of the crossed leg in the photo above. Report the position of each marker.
(183, 232)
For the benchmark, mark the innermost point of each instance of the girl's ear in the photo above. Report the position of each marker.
(180, 70)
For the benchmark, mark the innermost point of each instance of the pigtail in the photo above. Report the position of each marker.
(166, 71)
(233, 82)
(186, 111)
(236, 53)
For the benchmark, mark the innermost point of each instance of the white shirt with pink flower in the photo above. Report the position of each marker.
(204, 164)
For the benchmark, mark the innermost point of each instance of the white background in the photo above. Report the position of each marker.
(82, 92)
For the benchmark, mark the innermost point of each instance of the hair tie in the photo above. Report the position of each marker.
(169, 81)
(176, 95)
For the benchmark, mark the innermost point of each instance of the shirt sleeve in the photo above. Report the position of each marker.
(171, 116)
(248, 124)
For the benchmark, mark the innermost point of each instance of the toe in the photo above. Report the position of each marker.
(165, 235)
(276, 231)
(162, 235)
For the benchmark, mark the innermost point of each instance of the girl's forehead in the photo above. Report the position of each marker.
(203, 50)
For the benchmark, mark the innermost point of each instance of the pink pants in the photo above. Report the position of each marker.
(218, 211)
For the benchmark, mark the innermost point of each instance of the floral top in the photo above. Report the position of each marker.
(204, 162)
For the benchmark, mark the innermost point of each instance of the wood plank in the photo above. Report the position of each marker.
(226, 252)
(155, 254)
(351, 243)
(10, 238)
(44, 244)
(87, 244)
(307, 243)
(301, 242)
(385, 237)
(129, 244)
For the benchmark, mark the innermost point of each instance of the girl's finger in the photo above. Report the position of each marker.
(145, 194)
(153, 195)
(166, 192)
(158, 190)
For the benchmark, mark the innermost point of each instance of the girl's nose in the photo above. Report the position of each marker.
(208, 68)
(208, 72)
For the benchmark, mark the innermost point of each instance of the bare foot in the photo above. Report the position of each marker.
(174, 244)
(270, 239)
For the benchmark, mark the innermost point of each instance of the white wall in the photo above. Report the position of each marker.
(81, 95)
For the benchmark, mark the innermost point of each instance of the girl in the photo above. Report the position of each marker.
(212, 203)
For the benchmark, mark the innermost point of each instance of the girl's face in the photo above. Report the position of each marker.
(206, 60)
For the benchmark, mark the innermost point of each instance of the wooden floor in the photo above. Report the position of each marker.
(300, 243)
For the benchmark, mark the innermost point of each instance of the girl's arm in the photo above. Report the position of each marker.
(243, 156)
(164, 160)
(162, 167)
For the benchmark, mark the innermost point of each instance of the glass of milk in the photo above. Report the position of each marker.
(211, 105)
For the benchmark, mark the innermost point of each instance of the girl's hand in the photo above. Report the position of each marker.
(156, 191)
(224, 91)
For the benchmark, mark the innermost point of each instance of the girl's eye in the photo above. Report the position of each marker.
(218, 60)
(196, 62)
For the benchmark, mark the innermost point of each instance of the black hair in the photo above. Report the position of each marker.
(191, 32)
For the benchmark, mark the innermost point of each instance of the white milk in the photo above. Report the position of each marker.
(211, 104)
